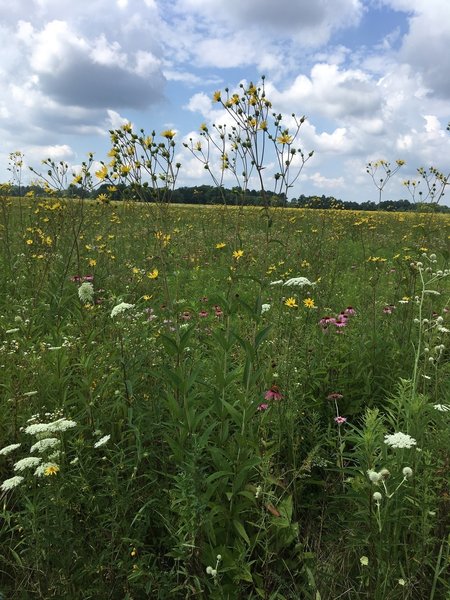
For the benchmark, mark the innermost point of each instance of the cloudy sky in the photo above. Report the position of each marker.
(372, 77)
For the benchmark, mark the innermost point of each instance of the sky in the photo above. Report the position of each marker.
(371, 77)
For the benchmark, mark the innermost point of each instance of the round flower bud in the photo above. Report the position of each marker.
(373, 476)
(385, 473)
(377, 497)
(407, 472)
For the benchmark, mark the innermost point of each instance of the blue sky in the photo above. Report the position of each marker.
(370, 75)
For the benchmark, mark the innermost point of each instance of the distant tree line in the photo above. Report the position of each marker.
(208, 195)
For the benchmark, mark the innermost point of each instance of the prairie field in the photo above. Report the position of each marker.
(223, 402)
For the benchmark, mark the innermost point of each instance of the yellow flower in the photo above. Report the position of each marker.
(147, 297)
(92, 262)
(169, 134)
(153, 274)
(102, 173)
(309, 303)
(220, 245)
(51, 470)
(216, 96)
(203, 127)
(291, 303)
(284, 138)
(29, 242)
(237, 254)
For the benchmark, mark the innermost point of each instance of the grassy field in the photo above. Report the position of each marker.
(222, 402)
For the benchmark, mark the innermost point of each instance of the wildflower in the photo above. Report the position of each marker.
(388, 310)
(273, 393)
(309, 303)
(291, 303)
(439, 407)
(7, 449)
(86, 292)
(373, 476)
(11, 483)
(340, 420)
(284, 138)
(120, 308)
(399, 440)
(218, 311)
(364, 561)
(350, 311)
(262, 407)
(334, 396)
(298, 282)
(27, 463)
(377, 497)
(278, 282)
(237, 254)
(264, 308)
(168, 134)
(203, 314)
(220, 245)
(384, 473)
(44, 444)
(92, 262)
(61, 425)
(51, 470)
(153, 274)
(401, 582)
(102, 441)
(217, 96)
(407, 472)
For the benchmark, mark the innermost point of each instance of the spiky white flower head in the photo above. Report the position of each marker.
(7, 449)
(9, 484)
(407, 472)
(27, 463)
(102, 441)
(44, 444)
(399, 440)
(384, 473)
(377, 497)
(298, 282)
(86, 292)
(120, 308)
(373, 476)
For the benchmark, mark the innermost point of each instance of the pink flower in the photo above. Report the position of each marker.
(334, 396)
(218, 311)
(273, 394)
(350, 310)
(186, 315)
(262, 407)
(388, 310)
(203, 314)
(340, 420)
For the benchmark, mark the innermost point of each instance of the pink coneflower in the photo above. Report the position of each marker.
(340, 420)
(335, 396)
(350, 311)
(262, 407)
(389, 309)
(203, 314)
(186, 315)
(326, 321)
(218, 311)
(341, 321)
(273, 394)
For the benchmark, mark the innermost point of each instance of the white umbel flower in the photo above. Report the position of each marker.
(298, 282)
(7, 449)
(9, 484)
(44, 444)
(439, 407)
(27, 463)
(86, 292)
(399, 440)
(102, 441)
(120, 308)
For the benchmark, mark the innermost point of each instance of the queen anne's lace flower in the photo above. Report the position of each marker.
(120, 308)
(86, 292)
(298, 282)
(7, 449)
(27, 463)
(9, 484)
(400, 440)
(102, 441)
(44, 444)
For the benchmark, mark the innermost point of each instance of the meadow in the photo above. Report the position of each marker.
(223, 402)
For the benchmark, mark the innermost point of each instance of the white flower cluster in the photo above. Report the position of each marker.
(293, 282)
(439, 407)
(399, 440)
(120, 308)
(86, 292)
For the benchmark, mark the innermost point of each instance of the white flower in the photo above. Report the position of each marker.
(407, 472)
(399, 440)
(62, 425)
(120, 308)
(298, 281)
(374, 476)
(44, 444)
(264, 308)
(38, 428)
(27, 463)
(9, 484)
(439, 407)
(86, 292)
(55, 426)
(7, 449)
(377, 497)
(102, 441)
(364, 561)
(277, 282)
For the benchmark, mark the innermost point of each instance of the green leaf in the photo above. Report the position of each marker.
(241, 531)
(262, 335)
